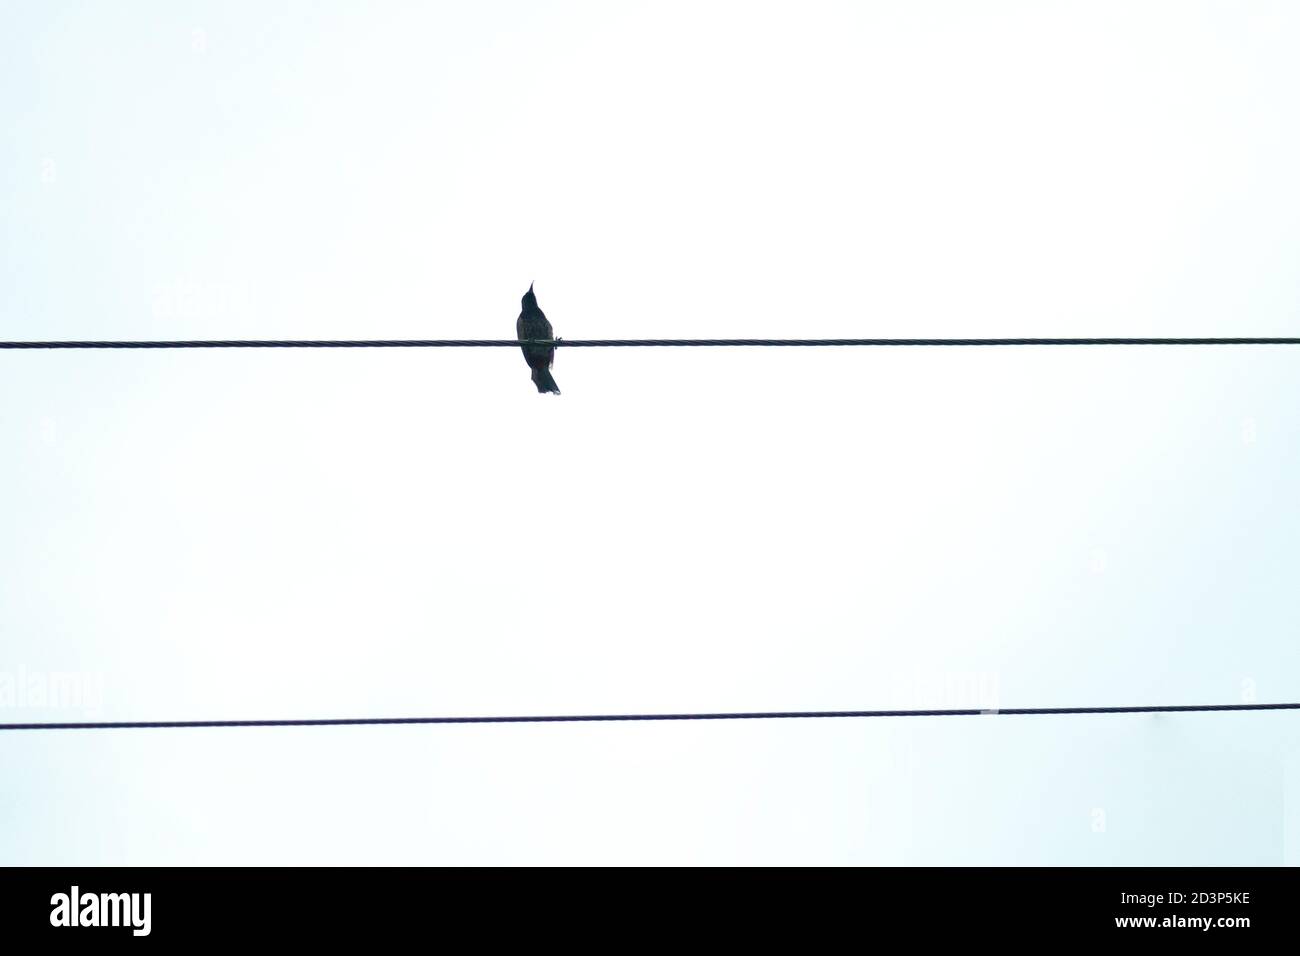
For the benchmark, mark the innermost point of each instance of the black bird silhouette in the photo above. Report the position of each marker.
(532, 324)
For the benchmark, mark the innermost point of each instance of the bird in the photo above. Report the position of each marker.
(532, 324)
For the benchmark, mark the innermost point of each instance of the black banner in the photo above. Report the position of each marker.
(977, 907)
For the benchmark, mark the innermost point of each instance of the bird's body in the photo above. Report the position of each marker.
(532, 324)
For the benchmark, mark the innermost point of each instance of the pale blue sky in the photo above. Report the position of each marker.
(279, 534)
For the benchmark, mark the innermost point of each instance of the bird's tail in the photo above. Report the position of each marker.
(544, 382)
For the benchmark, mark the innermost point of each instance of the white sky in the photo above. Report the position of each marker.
(280, 534)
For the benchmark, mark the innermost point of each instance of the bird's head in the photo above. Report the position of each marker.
(530, 300)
